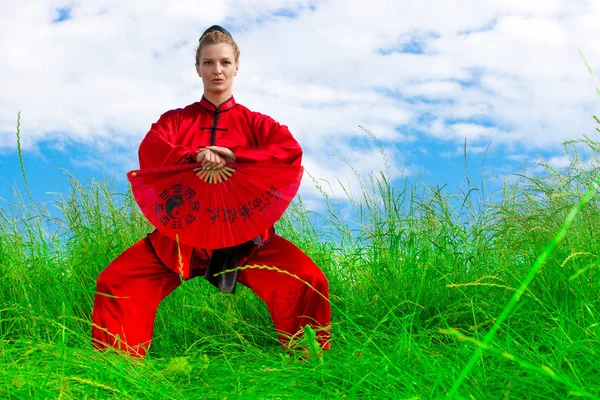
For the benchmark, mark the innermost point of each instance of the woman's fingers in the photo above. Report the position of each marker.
(208, 159)
(212, 160)
(200, 156)
(214, 157)
(223, 152)
(218, 163)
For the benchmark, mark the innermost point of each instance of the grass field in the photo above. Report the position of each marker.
(434, 292)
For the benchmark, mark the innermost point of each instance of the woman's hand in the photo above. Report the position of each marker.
(215, 157)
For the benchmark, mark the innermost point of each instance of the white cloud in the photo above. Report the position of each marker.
(433, 89)
(340, 171)
(559, 161)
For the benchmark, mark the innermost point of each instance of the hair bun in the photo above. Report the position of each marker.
(215, 28)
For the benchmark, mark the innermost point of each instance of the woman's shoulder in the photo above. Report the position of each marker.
(190, 109)
(256, 116)
(243, 109)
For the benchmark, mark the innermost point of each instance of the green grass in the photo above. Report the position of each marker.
(434, 293)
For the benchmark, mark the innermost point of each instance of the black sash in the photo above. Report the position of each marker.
(228, 258)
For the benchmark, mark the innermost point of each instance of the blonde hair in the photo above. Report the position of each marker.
(216, 37)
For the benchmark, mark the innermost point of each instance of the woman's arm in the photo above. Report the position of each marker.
(276, 145)
(157, 148)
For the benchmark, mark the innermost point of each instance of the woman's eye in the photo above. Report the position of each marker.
(207, 63)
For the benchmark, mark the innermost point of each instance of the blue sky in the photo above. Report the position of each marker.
(90, 77)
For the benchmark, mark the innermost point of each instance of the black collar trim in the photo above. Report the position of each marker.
(227, 105)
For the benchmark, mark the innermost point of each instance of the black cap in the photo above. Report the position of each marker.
(215, 28)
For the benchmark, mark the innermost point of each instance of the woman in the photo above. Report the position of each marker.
(213, 131)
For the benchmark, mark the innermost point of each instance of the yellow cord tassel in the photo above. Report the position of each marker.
(180, 256)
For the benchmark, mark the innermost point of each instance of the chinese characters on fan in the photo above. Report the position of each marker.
(178, 207)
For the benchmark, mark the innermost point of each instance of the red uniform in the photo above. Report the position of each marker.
(130, 289)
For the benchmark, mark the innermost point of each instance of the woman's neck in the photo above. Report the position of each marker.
(217, 98)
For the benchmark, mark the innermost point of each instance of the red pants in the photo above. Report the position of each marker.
(130, 289)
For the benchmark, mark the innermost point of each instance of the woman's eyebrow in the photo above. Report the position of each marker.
(215, 58)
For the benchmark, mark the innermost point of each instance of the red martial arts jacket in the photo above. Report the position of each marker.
(179, 134)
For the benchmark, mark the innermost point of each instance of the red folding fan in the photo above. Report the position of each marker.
(213, 209)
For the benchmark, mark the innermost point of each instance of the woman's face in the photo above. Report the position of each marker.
(217, 68)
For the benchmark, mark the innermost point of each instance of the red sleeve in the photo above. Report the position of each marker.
(275, 144)
(157, 150)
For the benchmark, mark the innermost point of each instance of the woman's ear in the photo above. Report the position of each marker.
(198, 70)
